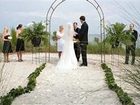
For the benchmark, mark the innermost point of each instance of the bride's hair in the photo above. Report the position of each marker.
(61, 28)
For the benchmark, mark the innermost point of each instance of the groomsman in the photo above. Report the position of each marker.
(83, 37)
(132, 46)
(76, 43)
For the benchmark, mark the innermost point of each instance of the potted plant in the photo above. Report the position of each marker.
(35, 33)
(117, 34)
(54, 38)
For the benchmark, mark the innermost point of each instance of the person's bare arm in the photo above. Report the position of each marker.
(17, 33)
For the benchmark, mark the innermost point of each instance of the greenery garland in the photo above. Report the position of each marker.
(8, 99)
(123, 96)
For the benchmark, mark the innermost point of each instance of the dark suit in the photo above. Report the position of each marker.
(131, 48)
(83, 37)
(77, 45)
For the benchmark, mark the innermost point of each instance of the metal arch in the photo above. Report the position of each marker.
(48, 21)
(102, 26)
(53, 7)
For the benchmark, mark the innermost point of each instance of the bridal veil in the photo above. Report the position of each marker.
(68, 59)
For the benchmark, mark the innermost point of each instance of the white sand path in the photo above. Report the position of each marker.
(83, 86)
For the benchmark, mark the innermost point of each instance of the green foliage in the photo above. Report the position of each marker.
(98, 48)
(7, 99)
(53, 48)
(13, 41)
(116, 34)
(54, 38)
(35, 30)
(124, 98)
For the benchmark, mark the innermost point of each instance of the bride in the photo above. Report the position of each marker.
(68, 59)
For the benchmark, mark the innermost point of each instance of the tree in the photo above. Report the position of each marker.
(116, 34)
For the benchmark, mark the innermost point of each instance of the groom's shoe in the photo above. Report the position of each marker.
(83, 64)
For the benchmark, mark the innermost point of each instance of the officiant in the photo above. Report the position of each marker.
(76, 41)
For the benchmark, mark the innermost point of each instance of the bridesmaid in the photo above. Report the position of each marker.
(20, 42)
(7, 47)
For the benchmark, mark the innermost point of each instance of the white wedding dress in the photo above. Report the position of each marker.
(68, 61)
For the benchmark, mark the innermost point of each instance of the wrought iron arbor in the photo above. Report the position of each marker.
(95, 4)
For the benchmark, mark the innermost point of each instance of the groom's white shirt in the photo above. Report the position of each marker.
(83, 22)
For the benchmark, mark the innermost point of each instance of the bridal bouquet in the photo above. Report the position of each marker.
(8, 37)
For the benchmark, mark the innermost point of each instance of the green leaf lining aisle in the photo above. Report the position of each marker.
(15, 92)
(110, 80)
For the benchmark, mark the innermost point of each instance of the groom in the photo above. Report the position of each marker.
(83, 37)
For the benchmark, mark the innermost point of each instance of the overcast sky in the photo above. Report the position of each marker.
(13, 12)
